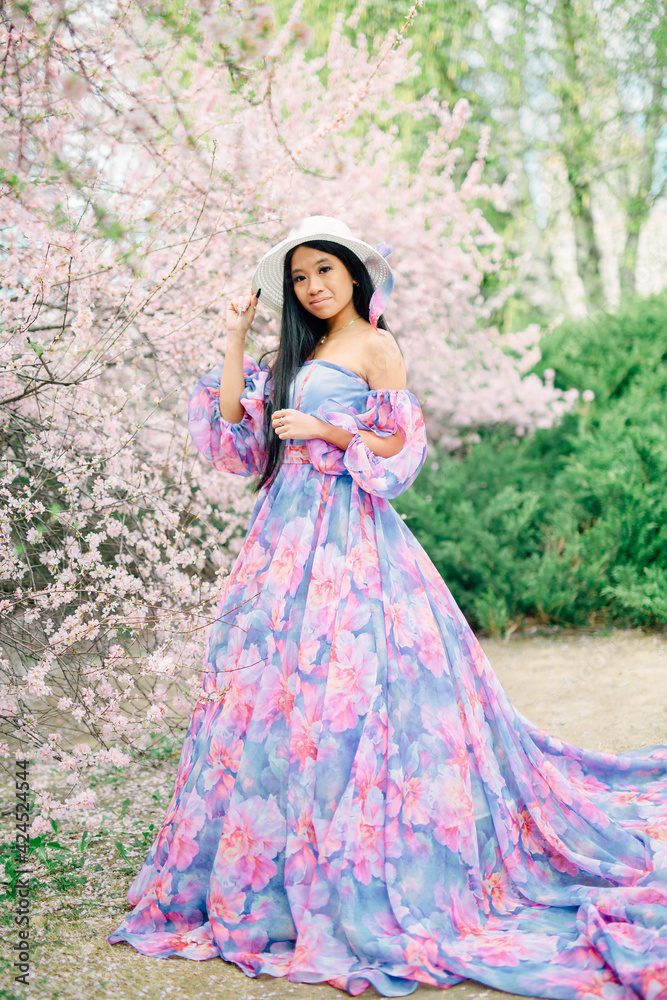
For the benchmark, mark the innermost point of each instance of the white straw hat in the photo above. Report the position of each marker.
(269, 272)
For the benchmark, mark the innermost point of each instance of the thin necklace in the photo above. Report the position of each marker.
(322, 339)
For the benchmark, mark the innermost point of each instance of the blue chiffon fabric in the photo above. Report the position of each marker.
(356, 800)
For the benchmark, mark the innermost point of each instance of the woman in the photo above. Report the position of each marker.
(357, 801)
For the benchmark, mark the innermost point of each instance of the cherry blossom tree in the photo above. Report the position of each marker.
(148, 160)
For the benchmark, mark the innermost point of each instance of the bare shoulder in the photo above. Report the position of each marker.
(385, 368)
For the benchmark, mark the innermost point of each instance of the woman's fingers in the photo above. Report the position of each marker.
(241, 312)
(280, 423)
(242, 303)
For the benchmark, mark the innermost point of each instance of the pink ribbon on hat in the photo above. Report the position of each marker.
(381, 295)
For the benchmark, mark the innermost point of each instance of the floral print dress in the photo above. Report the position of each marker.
(357, 801)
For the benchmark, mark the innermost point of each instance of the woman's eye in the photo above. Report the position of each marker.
(325, 267)
(297, 277)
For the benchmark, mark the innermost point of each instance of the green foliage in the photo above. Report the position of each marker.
(568, 526)
(61, 863)
(176, 15)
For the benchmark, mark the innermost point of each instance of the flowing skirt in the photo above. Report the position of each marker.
(358, 802)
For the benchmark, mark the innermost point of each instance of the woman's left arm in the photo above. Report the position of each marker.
(301, 426)
(385, 370)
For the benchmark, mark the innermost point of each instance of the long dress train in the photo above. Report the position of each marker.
(356, 800)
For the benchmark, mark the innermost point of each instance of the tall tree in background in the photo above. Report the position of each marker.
(575, 92)
(594, 103)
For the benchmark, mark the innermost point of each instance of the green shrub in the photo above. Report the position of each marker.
(568, 525)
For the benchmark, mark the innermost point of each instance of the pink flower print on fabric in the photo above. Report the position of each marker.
(327, 573)
(248, 945)
(252, 569)
(309, 660)
(500, 893)
(353, 614)
(226, 906)
(408, 795)
(162, 888)
(351, 680)
(197, 944)
(318, 949)
(275, 700)
(300, 866)
(184, 845)
(306, 726)
(367, 842)
(150, 916)
(370, 770)
(510, 950)
(420, 955)
(223, 757)
(291, 553)
(253, 834)
(452, 811)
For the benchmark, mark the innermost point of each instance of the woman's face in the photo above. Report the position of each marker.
(321, 282)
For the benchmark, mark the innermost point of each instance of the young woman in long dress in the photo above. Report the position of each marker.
(357, 801)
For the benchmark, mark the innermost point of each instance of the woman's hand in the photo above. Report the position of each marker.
(298, 426)
(240, 314)
(302, 427)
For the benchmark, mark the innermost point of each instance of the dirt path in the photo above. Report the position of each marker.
(603, 692)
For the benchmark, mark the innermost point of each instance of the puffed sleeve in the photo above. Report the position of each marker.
(386, 411)
(240, 447)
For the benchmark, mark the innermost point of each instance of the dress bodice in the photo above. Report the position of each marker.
(319, 380)
(334, 395)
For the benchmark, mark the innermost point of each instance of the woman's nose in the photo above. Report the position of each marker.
(315, 285)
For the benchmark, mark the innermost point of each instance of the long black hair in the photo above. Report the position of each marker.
(299, 334)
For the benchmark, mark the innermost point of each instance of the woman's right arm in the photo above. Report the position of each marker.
(238, 318)
(226, 407)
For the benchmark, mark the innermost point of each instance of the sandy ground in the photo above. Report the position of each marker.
(604, 692)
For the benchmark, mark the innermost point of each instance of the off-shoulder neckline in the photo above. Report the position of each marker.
(332, 364)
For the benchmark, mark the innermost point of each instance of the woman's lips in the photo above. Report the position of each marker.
(319, 302)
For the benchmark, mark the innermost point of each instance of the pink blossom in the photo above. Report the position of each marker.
(40, 825)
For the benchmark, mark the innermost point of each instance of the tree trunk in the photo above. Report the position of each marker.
(640, 203)
(578, 153)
